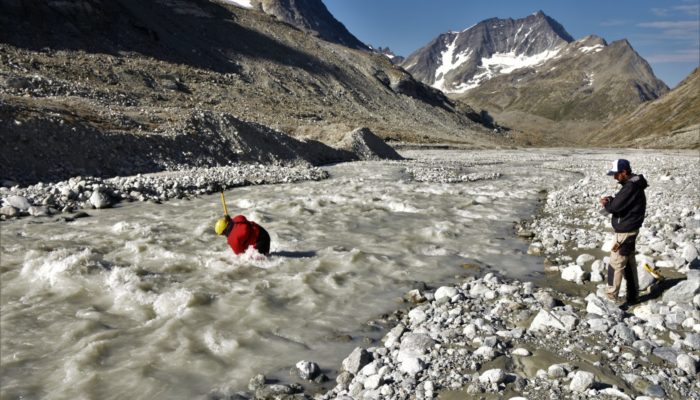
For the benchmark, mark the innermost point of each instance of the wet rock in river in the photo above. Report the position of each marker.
(308, 370)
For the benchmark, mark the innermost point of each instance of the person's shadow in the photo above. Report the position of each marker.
(294, 254)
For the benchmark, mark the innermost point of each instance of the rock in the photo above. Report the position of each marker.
(414, 345)
(18, 202)
(367, 146)
(373, 382)
(668, 354)
(581, 381)
(344, 378)
(492, 376)
(417, 316)
(486, 353)
(522, 352)
(412, 366)
(598, 324)
(583, 259)
(256, 382)
(98, 199)
(272, 391)
(624, 333)
(392, 338)
(556, 371)
(604, 308)
(685, 291)
(549, 319)
(308, 370)
(356, 360)
(692, 340)
(614, 392)
(690, 253)
(573, 273)
(415, 296)
(644, 278)
(444, 294)
(545, 299)
(38, 211)
(9, 211)
(687, 364)
(655, 391)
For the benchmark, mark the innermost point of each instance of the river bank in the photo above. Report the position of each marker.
(493, 337)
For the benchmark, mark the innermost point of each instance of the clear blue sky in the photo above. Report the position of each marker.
(665, 33)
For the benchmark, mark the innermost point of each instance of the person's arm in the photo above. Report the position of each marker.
(622, 201)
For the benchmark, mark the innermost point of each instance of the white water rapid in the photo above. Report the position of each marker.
(144, 301)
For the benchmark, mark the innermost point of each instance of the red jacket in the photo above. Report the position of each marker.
(244, 233)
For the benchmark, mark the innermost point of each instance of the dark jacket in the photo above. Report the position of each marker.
(629, 205)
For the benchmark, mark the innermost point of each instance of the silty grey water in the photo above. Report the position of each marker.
(144, 301)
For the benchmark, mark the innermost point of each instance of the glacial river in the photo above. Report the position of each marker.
(144, 301)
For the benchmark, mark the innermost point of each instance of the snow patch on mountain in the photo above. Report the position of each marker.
(449, 62)
(240, 3)
(588, 49)
(499, 64)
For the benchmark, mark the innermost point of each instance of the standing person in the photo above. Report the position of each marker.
(627, 207)
(242, 234)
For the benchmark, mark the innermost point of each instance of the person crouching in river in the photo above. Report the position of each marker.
(242, 234)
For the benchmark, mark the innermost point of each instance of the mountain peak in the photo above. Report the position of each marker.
(457, 61)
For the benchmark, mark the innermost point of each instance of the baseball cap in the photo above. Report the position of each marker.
(619, 165)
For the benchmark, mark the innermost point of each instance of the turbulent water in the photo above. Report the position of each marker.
(144, 301)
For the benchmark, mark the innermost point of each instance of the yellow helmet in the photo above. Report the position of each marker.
(220, 226)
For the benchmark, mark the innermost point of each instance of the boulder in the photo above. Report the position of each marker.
(99, 199)
(18, 202)
(492, 376)
(687, 364)
(550, 319)
(690, 253)
(9, 211)
(414, 345)
(685, 291)
(573, 273)
(412, 366)
(356, 360)
(445, 293)
(393, 336)
(581, 381)
(624, 333)
(604, 308)
(367, 146)
(308, 370)
(584, 258)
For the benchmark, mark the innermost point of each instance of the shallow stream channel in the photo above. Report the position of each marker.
(144, 301)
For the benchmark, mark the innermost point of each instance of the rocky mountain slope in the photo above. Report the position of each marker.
(532, 76)
(311, 16)
(672, 121)
(141, 72)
